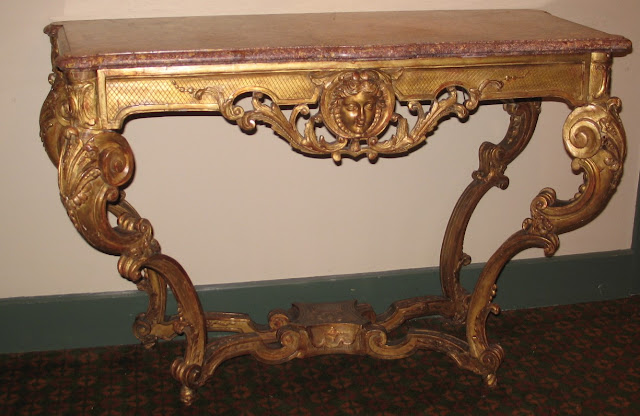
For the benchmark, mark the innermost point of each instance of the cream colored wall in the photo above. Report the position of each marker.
(236, 208)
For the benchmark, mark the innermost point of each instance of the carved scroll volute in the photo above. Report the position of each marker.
(84, 189)
(94, 166)
(594, 136)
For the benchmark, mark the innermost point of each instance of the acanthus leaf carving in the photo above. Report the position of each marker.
(82, 102)
(94, 166)
(594, 137)
(356, 107)
(55, 118)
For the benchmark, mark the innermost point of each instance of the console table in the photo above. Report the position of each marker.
(347, 73)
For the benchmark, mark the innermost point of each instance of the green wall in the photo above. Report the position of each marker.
(76, 321)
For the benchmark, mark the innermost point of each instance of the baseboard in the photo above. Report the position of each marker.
(91, 320)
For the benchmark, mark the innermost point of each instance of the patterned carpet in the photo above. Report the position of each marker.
(567, 360)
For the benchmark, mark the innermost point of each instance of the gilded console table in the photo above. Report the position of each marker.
(349, 73)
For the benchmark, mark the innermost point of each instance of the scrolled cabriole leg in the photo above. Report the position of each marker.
(92, 169)
(595, 139)
(494, 159)
(94, 166)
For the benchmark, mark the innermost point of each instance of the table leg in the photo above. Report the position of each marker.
(594, 137)
(494, 160)
(94, 166)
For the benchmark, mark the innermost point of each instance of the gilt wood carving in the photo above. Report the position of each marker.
(352, 86)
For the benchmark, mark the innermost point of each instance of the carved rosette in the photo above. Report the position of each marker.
(357, 107)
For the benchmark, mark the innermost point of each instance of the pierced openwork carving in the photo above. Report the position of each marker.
(357, 107)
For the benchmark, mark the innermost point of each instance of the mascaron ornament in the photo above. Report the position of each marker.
(358, 105)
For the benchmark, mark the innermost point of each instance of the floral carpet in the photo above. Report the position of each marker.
(568, 360)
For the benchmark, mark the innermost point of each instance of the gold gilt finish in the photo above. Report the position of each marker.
(353, 90)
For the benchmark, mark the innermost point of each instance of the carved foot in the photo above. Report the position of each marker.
(491, 380)
(187, 395)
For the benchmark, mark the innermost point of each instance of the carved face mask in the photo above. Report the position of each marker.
(357, 112)
(357, 105)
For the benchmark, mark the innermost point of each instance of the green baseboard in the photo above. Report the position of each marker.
(91, 320)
